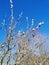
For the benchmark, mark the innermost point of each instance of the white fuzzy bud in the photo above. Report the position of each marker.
(10, 29)
(33, 29)
(32, 22)
(2, 45)
(11, 5)
(10, 1)
(41, 23)
(19, 33)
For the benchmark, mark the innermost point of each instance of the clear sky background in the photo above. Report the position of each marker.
(37, 9)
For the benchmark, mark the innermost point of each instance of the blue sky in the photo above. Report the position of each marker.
(37, 9)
